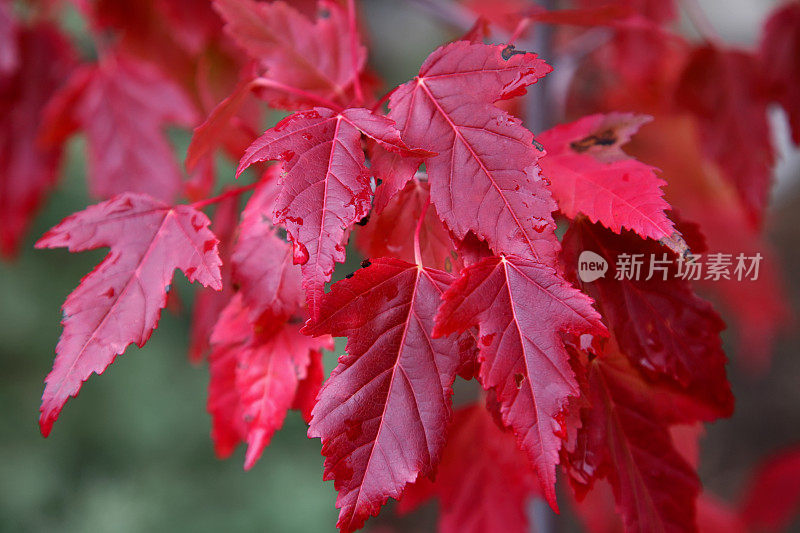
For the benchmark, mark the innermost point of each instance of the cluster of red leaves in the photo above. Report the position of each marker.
(467, 276)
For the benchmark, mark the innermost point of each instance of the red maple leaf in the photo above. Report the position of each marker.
(521, 308)
(383, 413)
(590, 174)
(257, 368)
(28, 170)
(484, 177)
(660, 323)
(484, 481)
(123, 105)
(120, 301)
(780, 46)
(310, 59)
(624, 437)
(725, 90)
(325, 187)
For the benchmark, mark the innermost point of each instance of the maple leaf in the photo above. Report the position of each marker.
(590, 174)
(624, 437)
(521, 308)
(484, 177)
(120, 301)
(481, 488)
(27, 170)
(703, 195)
(387, 234)
(123, 105)
(314, 59)
(265, 362)
(217, 127)
(326, 187)
(660, 324)
(725, 91)
(262, 262)
(778, 52)
(383, 413)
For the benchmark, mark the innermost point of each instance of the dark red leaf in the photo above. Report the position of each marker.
(624, 437)
(661, 325)
(725, 90)
(383, 413)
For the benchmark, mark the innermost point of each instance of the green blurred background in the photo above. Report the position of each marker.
(133, 453)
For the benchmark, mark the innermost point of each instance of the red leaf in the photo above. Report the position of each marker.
(314, 58)
(120, 301)
(123, 105)
(724, 89)
(484, 178)
(387, 234)
(262, 262)
(772, 498)
(213, 131)
(256, 371)
(521, 308)
(27, 170)
(780, 48)
(383, 413)
(484, 481)
(624, 437)
(326, 187)
(590, 174)
(661, 325)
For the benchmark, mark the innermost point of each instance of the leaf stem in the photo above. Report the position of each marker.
(417, 252)
(353, 28)
(225, 195)
(272, 84)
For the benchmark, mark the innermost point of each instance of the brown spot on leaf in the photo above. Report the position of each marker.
(603, 138)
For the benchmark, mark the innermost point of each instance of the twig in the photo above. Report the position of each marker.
(225, 195)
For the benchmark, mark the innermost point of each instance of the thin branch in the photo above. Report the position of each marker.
(225, 195)
(272, 84)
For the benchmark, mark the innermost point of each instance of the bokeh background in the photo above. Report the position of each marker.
(133, 452)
